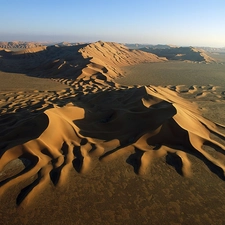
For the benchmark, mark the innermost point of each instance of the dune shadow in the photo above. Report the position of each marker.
(22, 132)
(26, 190)
(174, 160)
(55, 173)
(52, 62)
(216, 169)
(30, 162)
(78, 161)
(120, 114)
(135, 160)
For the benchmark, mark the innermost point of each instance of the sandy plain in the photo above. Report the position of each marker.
(94, 151)
(199, 82)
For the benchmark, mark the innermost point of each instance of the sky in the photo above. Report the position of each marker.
(176, 22)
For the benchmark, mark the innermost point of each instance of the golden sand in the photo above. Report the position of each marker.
(102, 153)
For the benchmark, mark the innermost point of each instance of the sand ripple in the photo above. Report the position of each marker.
(97, 121)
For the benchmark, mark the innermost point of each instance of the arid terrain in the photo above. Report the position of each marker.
(84, 140)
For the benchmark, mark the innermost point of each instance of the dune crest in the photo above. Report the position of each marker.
(181, 53)
(105, 121)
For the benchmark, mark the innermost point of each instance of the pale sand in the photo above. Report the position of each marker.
(102, 153)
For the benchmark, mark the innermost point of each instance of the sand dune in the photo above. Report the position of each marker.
(97, 122)
(66, 62)
(150, 119)
(181, 54)
(197, 91)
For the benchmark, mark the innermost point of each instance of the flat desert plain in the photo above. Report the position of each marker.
(199, 82)
(78, 147)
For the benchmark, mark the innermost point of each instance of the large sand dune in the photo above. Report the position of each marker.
(181, 53)
(98, 132)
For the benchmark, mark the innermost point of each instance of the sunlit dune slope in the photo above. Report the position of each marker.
(100, 120)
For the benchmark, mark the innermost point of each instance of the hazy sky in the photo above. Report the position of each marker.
(179, 22)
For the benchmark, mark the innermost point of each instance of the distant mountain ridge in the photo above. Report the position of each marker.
(19, 44)
(164, 46)
(213, 50)
(140, 46)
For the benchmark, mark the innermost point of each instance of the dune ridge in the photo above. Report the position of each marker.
(181, 53)
(96, 121)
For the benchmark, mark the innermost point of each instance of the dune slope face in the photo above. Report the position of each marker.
(104, 122)
(181, 54)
